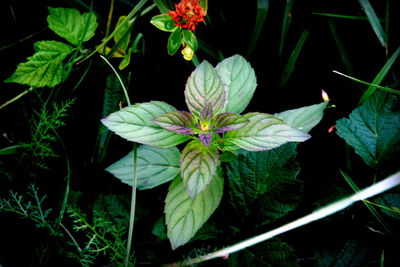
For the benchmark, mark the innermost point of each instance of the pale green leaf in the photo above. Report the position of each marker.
(71, 25)
(183, 215)
(264, 132)
(205, 86)
(134, 123)
(240, 82)
(155, 166)
(304, 118)
(198, 166)
(45, 67)
(163, 22)
(373, 129)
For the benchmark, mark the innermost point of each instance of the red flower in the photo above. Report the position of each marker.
(187, 14)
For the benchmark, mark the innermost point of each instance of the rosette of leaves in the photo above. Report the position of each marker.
(215, 98)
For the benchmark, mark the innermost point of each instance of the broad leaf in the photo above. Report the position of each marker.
(198, 166)
(304, 118)
(155, 166)
(45, 67)
(174, 41)
(134, 123)
(176, 121)
(258, 178)
(240, 82)
(264, 132)
(71, 25)
(164, 22)
(228, 122)
(183, 215)
(373, 129)
(203, 87)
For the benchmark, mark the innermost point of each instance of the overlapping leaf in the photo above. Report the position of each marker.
(183, 215)
(135, 124)
(229, 121)
(176, 121)
(155, 166)
(264, 132)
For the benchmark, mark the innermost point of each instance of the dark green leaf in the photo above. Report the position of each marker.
(190, 39)
(352, 254)
(262, 11)
(174, 41)
(390, 203)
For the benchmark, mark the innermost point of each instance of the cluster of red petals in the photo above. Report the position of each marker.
(187, 14)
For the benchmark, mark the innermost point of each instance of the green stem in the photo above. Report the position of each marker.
(16, 98)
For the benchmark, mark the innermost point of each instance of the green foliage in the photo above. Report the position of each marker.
(184, 216)
(174, 41)
(164, 22)
(373, 129)
(352, 254)
(390, 204)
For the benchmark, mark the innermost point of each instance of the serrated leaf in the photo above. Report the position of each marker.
(190, 39)
(71, 25)
(373, 129)
(174, 41)
(134, 123)
(155, 166)
(163, 22)
(265, 177)
(304, 118)
(198, 166)
(183, 215)
(203, 87)
(45, 67)
(228, 122)
(176, 121)
(239, 80)
(264, 132)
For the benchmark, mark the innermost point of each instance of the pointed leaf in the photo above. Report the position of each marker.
(304, 118)
(163, 22)
(264, 132)
(373, 129)
(71, 25)
(240, 82)
(180, 122)
(155, 166)
(135, 124)
(122, 36)
(174, 41)
(190, 39)
(183, 215)
(205, 86)
(45, 67)
(198, 166)
(228, 122)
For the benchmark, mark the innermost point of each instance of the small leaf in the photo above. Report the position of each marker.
(122, 36)
(179, 122)
(126, 60)
(198, 166)
(45, 67)
(304, 118)
(203, 87)
(240, 82)
(190, 39)
(264, 132)
(71, 25)
(183, 215)
(373, 129)
(229, 121)
(164, 22)
(155, 166)
(174, 41)
(134, 123)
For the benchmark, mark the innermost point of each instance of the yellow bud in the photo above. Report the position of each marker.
(187, 53)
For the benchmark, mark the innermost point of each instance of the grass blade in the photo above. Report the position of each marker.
(340, 16)
(374, 21)
(287, 19)
(369, 206)
(381, 75)
(290, 66)
(262, 11)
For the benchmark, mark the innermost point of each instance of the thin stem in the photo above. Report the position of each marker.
(16, 98)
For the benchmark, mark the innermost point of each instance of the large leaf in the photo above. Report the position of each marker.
(135, 124)
(265, 177)
(304, 118)
(205, 86)
(183, 215)
(264, 132)
(240, 82)
(198, 166)
(71, 25)
(155, 166)
(180, 122)
(45, 67)
(373, 129)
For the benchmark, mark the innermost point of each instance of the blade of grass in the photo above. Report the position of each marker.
(371, 208)
(262, 11)
(340, 16)
(287, 19)
(374, 21)
(386, 89)
(291, 64)
(380, 76)
(383, 207)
